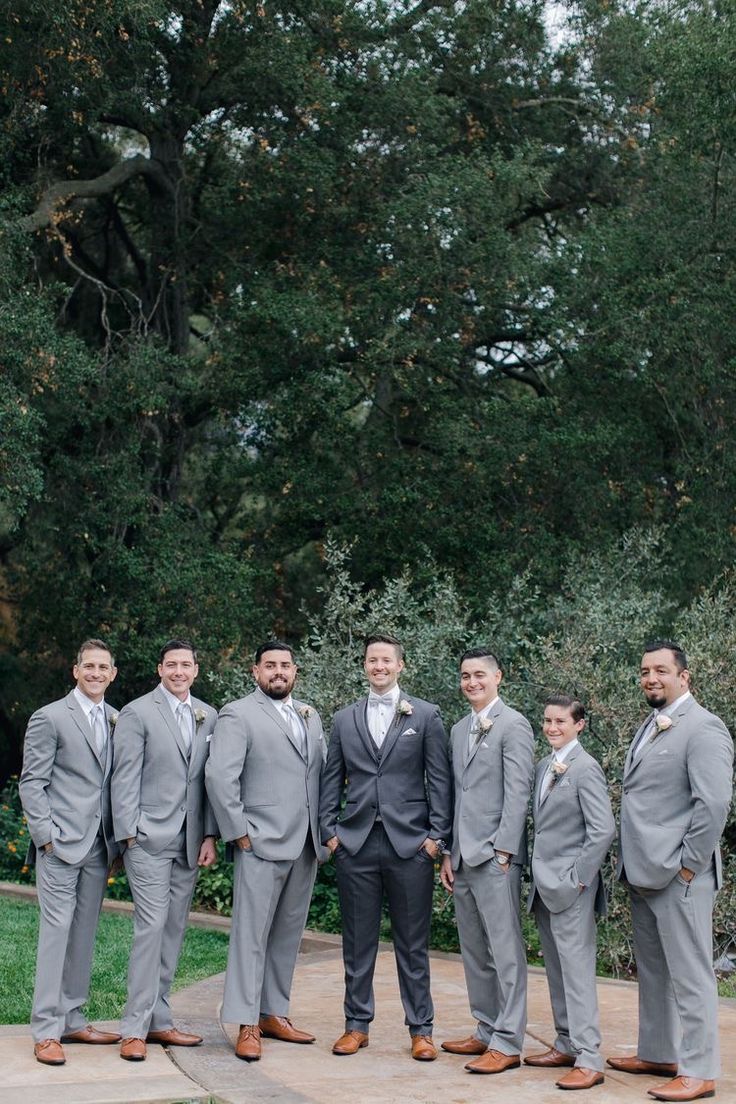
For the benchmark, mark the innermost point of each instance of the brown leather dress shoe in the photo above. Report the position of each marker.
(133, 1050)
(493, 1061)
(549, 1059)
(471, 1045)
(173, 1037)
(422, 1048)
(50, 1052)
(248, 1046)
(684, 1088)
(93, 1035)
(350, 1043)
(634, 1064)
(278, 1027)
(580, 1078)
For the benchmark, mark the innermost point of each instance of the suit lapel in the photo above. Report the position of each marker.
(360, 720)
(170, 721)
(398, 724)
(109, 714)
(275, 714)
(539, 782)
(493, 718)
(83, 725)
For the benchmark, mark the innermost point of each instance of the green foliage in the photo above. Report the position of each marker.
(14, 837)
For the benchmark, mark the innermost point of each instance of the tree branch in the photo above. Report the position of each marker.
(57, 195)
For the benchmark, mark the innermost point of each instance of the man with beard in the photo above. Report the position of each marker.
(676, 796)
(263, 779)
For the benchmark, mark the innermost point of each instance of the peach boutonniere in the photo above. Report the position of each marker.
(199, 717)
(305, 712)
(557, 770)
(662, 722)
(404, 708)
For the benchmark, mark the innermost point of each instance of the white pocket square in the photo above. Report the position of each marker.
(564, 782)
(484, 744)
(410, 732)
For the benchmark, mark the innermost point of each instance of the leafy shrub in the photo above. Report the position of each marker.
(14, 837)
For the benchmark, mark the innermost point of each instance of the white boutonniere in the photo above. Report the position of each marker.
(481, 728)
(305, 712)
(661, 724)
(199, 717)
(558, 770)
(404, 708)
(112, 720)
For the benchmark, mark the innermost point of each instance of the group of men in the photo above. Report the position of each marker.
(389, 800)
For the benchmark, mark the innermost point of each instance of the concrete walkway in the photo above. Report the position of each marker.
(383, 1073)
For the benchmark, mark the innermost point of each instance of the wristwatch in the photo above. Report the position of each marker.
(502, 859)
(441, 846)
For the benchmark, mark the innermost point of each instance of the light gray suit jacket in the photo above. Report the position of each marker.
(676, 797)
(155, 783)
(574, 828)
(65, 785)
(492, 787)
(258, 781)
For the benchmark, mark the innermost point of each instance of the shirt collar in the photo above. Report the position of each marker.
(486, 709)
(562, 753)
(86, 703)
(173, 701)
(670, 709)
(395, 693)
(282, 703)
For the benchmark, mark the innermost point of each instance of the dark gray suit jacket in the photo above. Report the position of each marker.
(409, 785)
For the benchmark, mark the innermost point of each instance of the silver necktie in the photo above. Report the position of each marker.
(184, 718)
(98, 729)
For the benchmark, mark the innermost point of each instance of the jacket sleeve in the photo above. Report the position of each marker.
(129, 746)
(39, 754)
(710, 770)
(600, 827)
(518, 773)
(225, 765)
(438, 774)
(332, 785)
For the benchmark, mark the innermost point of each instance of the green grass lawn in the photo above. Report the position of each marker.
(204, 953)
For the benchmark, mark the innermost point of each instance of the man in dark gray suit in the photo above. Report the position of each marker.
(162, 816)
(388, 755)
(263, 777)
(677, 786)
(574, 828)
(65, 793)
(493, 765)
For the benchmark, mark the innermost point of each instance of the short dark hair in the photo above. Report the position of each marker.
(565, 701)
(481, 653)
(175, 646)
(93, 642)
(274, 646)
(671, 646)
(383, 638)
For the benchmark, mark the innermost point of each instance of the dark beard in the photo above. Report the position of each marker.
(656, 703)
(277, 695)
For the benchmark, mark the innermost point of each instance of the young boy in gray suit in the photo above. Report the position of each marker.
(574, 828)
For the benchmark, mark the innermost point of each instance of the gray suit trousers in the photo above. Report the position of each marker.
(678, 994)
(162, 886)
(487, 906)
(270, 905)
(70, 899)
(568, 943)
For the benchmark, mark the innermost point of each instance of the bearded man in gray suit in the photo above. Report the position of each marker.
(263, 778)
(493, 765)
(574, 828)
(388, 756)
(677, 784)
(65, 793)
(163, 818)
